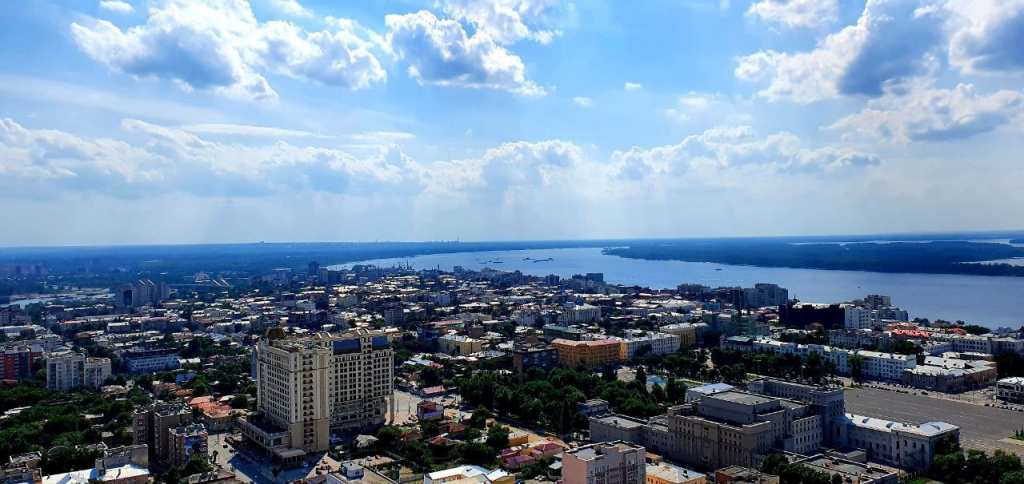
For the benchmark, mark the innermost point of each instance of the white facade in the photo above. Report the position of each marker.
(581, 313)
(1010, 389)
(311, 386)
(660, 343)
(66, 371)
(856, 317)
(907, 446)
(875, 365)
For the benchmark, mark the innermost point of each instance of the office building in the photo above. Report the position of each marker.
(553, 332)
(68, 370)
(580, 313)
(607, 463)
(311, 386)
(720, 429)
(1010, 389)
(906, 446)
(827, 401)
(141, 360)
(454, 344)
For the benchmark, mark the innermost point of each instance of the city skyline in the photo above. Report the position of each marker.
(283, 120)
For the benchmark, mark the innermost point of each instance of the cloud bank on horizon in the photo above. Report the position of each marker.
(166, 121)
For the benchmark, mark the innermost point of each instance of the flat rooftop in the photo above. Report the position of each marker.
(619, 421)
(741, 398)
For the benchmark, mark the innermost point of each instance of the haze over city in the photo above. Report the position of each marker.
(187, 121)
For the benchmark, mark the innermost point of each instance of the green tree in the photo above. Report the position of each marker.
(658, 393)
(388, 436)
(497, 438)
(949, 467)
(857, 368)
(475, 453)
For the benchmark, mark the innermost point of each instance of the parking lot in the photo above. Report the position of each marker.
(981, 427)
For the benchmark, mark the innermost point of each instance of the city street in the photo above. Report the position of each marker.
(981, 427)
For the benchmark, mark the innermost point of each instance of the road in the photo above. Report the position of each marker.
(980, 427)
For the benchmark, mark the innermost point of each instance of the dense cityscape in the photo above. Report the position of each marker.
(511, 242)
(390, 374)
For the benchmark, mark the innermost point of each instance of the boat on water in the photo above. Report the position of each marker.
(543, 260)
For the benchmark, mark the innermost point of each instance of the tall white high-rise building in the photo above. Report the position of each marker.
(314, 385)
(856, 317)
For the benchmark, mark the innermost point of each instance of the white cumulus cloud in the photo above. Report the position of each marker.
(291, 7)
(891, 44)
(218, 45)
(794, 13)
(439, 51)
(117, 6)
(928, 114)
(509, 21)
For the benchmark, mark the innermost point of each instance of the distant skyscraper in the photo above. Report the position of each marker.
(140, 294)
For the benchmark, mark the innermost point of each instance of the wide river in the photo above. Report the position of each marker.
(985, 300)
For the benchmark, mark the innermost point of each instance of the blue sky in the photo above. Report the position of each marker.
(188, 121)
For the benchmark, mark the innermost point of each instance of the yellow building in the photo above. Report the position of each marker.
(590, 353)
(451, 344)
(686, 332)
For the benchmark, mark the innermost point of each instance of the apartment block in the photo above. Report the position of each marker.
(659, 344)
(185, 442)
(151, 426)
(17, 361)
(141, 293)
(68, 370)
(525, 357)
(590, 354)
